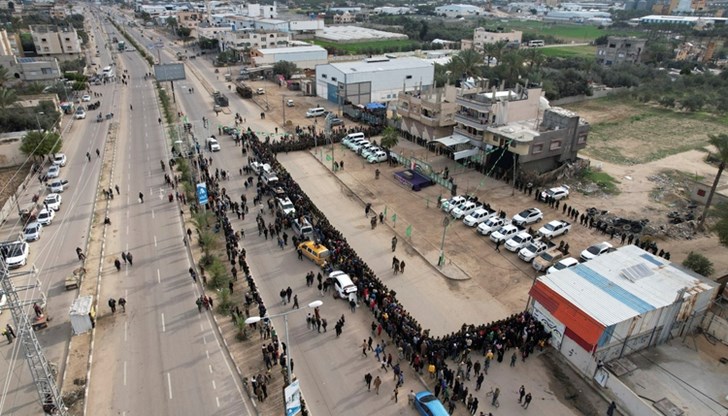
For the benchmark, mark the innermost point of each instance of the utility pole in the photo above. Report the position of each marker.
(40, 369)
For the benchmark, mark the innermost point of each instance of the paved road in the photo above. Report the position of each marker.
(53, 255)
(161, 356)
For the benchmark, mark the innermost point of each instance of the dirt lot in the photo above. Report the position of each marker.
(11, 178)
(629, 134)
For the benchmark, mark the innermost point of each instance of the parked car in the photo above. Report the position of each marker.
(80, 114)
(448, 204)
(532, 250)
(260, 91)
(16, 253)
(563, 264)
(428, 405)
(86, 98)
(491, 225)
(596, 250)
(504, 233)
(547, 259)
(554, 229)
(560, 192)
(370, 151)
(45, 216)
(465, 209)
(53, 172)
(53, 201)
(377, 157)
(519, 241)
(59, 159)
(213, 145)
(335, 121)
(528, 216)
(32, 231)
(58, 186)
(359, 145)
(478, 216)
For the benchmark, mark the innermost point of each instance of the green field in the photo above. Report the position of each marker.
(364, 47)
(565, 31)
(583, 51)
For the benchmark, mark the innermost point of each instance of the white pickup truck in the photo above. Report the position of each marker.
(532, 250)
(504, 233)
(554, 229)
(519, 241)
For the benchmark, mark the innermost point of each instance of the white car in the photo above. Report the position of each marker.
(528, 216)
(492, 225)
(562, 264)
(353, 142)
(86, 98)
(359, 145)
(53, 172)
(365, 148)
(454, 202)
(16, 253)
(53, 201)
(213, 145)
(465, 209)
(45, 216)
(59, 159)
(32, 231)
(481, 214)
(532, 250)
(378, 157)
(519, 241)
(80, 114)
(504, 233)
(560, 192)
(370, 151)
(596, 250)
(58, 186)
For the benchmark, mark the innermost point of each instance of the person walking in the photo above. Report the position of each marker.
(611, 408)
(364, 348)
(122, 303)
(117, 189)
(377, 382)
(368, 381)
(38, 310)
(10, 329)
(8, 336)
(526, 401)
(496, 393)
(395, 393)
(129, 258)
(117, 264)
(497, 246)
(141, 198)
(88, 156)
(198, 302)
(123, 257)
(295, 302)
(368, 209)
(401, 266)
(394, 243)
(521, 393)
(112, 304)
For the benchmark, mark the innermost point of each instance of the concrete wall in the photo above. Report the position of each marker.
(10, 154)
(627, 401)
(580, 98)
(716, 326)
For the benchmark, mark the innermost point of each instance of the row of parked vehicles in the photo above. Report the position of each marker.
(538, 248)
(358, 143)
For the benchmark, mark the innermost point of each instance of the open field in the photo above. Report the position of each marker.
(362, 47)
(628, 133)
(570, 51)
(565, 31)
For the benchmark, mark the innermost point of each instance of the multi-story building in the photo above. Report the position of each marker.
(482, 37)
(31, 69)
(188, 19)
(305, 57)
(455, 10)
(428, 114)
(510, 127)
(10, 44)
(620, 50)
(342, 18)
(248, 40)
(61, 42)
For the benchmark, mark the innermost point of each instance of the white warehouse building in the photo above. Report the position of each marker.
(377, 79)
(304, 57)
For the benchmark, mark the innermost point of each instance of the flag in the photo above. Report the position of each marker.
(385, 210)
(328, 157)
(408, 232)
(394, 217)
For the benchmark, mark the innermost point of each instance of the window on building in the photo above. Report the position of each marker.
(537, 148)
(324, 76)
(44, 40)
(46, 71)
(68, 39)
(581, 140)
(333, 79)
(409, 77)
(555, 145)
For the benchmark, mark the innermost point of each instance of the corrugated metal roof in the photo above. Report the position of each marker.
(292, 49)
(606, 288)
(383, 65)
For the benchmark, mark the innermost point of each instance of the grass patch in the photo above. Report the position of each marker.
(565, 31)
(603, 180)
(627, 133)
(570, 51)
(375, 46)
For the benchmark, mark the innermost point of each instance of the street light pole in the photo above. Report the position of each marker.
(445, 224)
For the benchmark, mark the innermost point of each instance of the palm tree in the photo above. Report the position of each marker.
(8, 97)
(720, 142)
(390, 138)
(3, 75)
(534, 57)
(467, 63)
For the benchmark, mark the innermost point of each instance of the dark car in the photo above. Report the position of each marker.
(428, 405)
(335, 121)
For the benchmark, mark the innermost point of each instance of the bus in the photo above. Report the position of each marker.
(537, 43)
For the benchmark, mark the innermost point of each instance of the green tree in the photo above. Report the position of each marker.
(467, 63)
(721, 227)
(285, 68)
(390, 137)
(699, 264)
(40, 144)
(693, 102)
(8, 97)
(720, 142)
(4, 75)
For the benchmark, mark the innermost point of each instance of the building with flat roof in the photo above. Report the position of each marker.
(620, 50)
(37, 69)
(305, 57)
(355, 33)
(248, 40)
(455, 10)
(683, 20)
(10, 43)
(428, 114)
(377, 79)
(61, 42)
(482, 37)
(618, 303)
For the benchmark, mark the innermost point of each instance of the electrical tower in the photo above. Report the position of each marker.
(43, 376)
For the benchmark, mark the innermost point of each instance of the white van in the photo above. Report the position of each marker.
(315, 112)
(302, 228)
(344, 287)
(351, 136)
(213, 145)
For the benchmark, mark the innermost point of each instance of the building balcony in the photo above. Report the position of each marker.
(470, 134)
(473, 122)
(476, 102)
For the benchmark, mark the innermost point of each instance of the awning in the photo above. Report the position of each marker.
(453, 140)
(466, 153)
